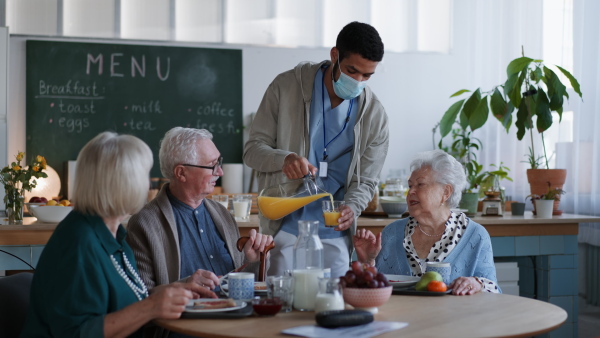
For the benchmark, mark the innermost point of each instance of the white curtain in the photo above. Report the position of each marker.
(585, 164)
(499, 30)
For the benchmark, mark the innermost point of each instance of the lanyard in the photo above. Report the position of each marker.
(325, 143)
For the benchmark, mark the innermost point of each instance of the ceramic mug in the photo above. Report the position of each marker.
(240, 285)
(443, 268)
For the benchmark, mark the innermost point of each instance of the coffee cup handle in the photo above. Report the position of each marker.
(224, 281)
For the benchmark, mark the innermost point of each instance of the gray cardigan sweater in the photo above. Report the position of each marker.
(152, 234)
(280, 127)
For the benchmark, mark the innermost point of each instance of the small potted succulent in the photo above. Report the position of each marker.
(544, 204)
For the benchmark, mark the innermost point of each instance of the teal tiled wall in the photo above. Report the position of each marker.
(548, 271)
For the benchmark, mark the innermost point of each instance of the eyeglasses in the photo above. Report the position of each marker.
(214, 168)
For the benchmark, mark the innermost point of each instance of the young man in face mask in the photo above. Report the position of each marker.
(322, 119)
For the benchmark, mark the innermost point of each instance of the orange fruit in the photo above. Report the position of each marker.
(66, 203)
(52, 202)
(437, 286)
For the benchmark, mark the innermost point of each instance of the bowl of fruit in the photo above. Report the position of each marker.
(364, 288)
(52, 211)
(35, 201)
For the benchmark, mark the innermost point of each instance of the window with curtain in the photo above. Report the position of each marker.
(405, 25)
(557, 35)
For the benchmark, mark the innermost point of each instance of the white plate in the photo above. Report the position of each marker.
(189, 307)
(402, 280)
(262, 285)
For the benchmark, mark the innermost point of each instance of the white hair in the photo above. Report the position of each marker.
(446, 170)
(178, 147)
(112, 176)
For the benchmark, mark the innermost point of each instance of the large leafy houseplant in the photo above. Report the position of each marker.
(528, 97)
(531, 90)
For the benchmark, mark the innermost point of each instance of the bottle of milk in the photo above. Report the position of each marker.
(308, 265)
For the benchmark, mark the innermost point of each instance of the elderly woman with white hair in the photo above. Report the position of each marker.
(433, 232)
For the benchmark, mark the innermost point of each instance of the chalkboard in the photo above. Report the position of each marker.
(76, 90)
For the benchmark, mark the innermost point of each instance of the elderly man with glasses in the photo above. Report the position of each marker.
(182, 235)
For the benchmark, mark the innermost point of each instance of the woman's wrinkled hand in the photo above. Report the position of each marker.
(367, 246)
(465, 286)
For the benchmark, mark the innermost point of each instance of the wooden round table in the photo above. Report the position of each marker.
(480, 315)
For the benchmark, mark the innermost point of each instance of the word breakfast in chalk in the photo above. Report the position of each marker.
(71, 89)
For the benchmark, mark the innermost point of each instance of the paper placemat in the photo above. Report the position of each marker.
(360, 331)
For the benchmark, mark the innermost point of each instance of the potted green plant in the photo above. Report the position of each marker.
(491, 180)
(532, 92)
(464, 148)
(551, 197)
(490, 184)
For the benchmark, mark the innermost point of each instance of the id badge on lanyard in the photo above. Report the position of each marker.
(323, 169)
(323, 165)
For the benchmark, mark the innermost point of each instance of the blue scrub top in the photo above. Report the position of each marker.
(339, 154)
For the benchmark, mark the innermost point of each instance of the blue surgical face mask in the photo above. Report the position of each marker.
(346, 87)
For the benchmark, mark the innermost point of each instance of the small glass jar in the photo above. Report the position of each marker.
(329, 296)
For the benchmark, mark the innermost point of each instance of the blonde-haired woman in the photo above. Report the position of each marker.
(86, 283)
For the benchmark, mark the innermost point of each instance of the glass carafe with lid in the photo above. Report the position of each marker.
(280, 200)
(308, 250)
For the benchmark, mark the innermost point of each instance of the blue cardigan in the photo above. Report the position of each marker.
(472, 256)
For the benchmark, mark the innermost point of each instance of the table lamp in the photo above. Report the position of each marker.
(48, 187)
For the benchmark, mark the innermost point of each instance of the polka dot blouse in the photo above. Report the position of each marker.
(455, 227)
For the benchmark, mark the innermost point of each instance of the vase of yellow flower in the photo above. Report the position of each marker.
(16, 181)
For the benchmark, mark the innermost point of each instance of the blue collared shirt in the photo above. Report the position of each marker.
(200, 243)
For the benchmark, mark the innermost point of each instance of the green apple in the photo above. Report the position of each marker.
(426, 278)
(433, 275)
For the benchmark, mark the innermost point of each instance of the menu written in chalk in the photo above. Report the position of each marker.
(77, 90)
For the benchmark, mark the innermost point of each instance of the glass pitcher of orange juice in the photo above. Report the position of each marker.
(280, 200)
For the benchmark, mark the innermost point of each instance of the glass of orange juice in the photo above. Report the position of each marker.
(331, 212)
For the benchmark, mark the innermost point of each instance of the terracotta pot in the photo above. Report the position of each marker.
(538, 183)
